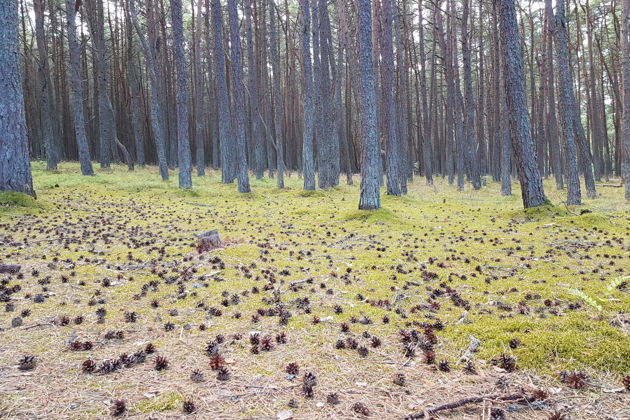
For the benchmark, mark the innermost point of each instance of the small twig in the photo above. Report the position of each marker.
(39, 324)
(465, 401)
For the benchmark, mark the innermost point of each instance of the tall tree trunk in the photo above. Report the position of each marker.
(256, 123)
(567, 102)
(625, 141)
(228, 148)
(470, 140)
(48, 112)
(183, 144)
(277, 94)
(531, 183)
(389, 106)
(307, 87)
(239, 98)
(199, 111)
(370, 160)
(76, 90)
(15, 166)
(157, 123)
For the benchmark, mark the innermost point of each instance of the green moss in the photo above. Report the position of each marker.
(163, 402)
(381, 215)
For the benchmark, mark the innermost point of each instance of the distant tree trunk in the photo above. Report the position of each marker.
(256, 123)
(135, 88)
(183, 143)
(76, 90)
(106, 129)
(470, 141)
(157, 116)
(199, 116)
(426, 112)
(277, 94)
(625, 141)
(239, 98)
(531, 183)
(15, 166)
(552, 121)
(307, 74)
(48, 113)
(389, 106)
(328, 150)
(370, 158)
(567, 101)
(226, 143)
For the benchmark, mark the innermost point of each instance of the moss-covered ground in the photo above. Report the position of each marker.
(548, 286)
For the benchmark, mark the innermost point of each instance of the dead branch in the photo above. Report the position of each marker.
(465, 401)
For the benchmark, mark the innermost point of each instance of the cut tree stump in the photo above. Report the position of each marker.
(208, 240)
(10, 268)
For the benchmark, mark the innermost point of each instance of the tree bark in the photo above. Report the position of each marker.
(531, 183)
(370, 159)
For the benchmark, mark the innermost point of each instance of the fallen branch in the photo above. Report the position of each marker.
(609, 185)
(465, 401)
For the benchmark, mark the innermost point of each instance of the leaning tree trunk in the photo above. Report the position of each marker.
(370, 159)
(531, 183)
(183, 144)
(15, 166)
(76, 89)
(239, 98)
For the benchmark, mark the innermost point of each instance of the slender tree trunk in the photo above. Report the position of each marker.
(567, 101)
(307, 87)
(183, 143)
(370, 159)
(48, 113)
(277, 94)
(76, 90)
(470, 141)
(389, 106)
(200, 114)
(625, 141)
(525, 158)
(239, 98)
(226, 143)
(157, 116)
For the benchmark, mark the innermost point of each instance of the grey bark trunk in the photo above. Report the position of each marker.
(15, 166)
(183, 143)
(239, 98)
(370, 158)
(531, 183)
(76, 90)
(307, 87)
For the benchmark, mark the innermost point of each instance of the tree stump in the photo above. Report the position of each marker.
(208, 240)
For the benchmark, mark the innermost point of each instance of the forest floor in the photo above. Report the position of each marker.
(112, 260)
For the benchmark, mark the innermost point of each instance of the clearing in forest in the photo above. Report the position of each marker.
(310, 309)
